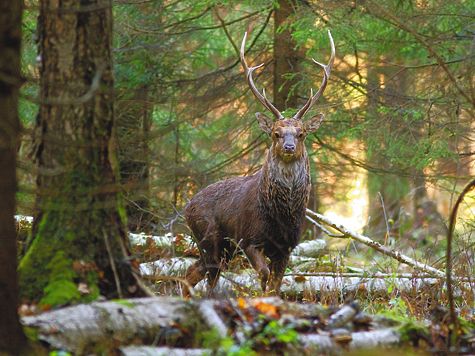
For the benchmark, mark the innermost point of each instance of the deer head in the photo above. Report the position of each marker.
(288, 134)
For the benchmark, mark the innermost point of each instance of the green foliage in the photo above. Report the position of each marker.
(274, 336)
(412, 329)
(59, 353)
(28, 107)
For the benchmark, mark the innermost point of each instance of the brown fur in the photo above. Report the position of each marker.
(261, 215)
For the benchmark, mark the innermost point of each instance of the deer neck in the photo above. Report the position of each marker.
(285, 185)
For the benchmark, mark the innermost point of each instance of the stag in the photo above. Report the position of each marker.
(261, 215)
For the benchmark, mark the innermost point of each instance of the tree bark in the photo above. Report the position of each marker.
(12, 338)
(80, 248)
(133, 123)
(286, 60)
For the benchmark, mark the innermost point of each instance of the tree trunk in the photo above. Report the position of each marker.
(80, 248)
(286, 60)
(386, 192)
(12, 338)
(133, 123)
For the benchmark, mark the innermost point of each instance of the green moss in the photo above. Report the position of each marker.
(46, 270)
(61, 288)
(414, 331)
(31, 333)
(121, 207)
(60, 267)
(68, 248)
(125, 302)
(32, 278)
(60, 292)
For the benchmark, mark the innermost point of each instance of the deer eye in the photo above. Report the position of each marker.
(301, 135)
(277, 135)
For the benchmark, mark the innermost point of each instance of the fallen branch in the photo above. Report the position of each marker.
(374, 244)
(448, 267)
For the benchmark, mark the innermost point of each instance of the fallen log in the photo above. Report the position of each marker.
(180, 325)
(334, 344)
(79, 329)
(161, 351)
(232, 284)
(176, 266)
(169, 267)
(180, 243)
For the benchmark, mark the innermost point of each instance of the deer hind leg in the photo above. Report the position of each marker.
(213, 257)
(195, 273)
(199, 270)
(258, 262)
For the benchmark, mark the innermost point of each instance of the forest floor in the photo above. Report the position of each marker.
(322, 310)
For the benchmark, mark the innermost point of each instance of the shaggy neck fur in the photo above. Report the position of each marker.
(285, 187)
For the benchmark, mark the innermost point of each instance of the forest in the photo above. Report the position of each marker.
(122, 121)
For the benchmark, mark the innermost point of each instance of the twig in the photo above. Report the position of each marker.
(191, 290)
(114, 269)
(135, 272)
(385, 218)
(441, 62)
(448, 266)
(95, 84)
(225, 29)
(376, 245)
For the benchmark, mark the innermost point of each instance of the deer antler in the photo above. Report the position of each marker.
(326, 75)
(261, 97)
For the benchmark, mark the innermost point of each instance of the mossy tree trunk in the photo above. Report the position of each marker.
(79, 246)
(12, 338)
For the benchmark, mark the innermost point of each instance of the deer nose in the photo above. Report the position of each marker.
(289, 147)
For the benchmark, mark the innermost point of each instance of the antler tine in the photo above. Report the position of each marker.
(262, 98)
(326, 76)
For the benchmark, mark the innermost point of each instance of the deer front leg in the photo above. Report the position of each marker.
(258, 262)
(278, 270)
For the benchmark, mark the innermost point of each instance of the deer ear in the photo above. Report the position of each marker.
(312, 124)
(265, 123)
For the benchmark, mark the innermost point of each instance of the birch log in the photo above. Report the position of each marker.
(327, 344)
(231, 284)
(162, 351)
(79, 329)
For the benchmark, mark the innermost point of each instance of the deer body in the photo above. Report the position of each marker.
(261, 215)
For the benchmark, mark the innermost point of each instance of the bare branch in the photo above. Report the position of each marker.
(439, 59)
(376, 245)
